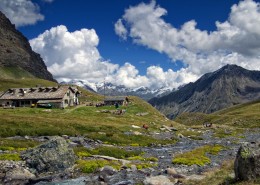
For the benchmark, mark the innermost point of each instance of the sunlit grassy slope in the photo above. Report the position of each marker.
(14, 73)
(241, 116)
(83, 120)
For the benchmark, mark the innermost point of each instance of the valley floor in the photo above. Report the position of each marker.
(184, 174)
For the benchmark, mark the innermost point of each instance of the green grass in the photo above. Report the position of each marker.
(107, 151)
(5, 84)
(90, 166)
(197, 156)
(88, 121)
(10, 157)
(14, 73)
(17, 144)
(230, 122)
(239, 116)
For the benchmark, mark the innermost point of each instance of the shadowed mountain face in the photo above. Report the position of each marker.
(223, 88)
(15, 51)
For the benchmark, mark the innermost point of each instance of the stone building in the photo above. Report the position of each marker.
(58, 97)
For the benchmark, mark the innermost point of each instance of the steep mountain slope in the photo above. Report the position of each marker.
(223, 88)
(16, 52)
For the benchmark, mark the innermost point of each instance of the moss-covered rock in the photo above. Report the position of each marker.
(247, 163)
(52, 156)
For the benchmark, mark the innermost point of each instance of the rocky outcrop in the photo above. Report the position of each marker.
(14, 172)
(247, 163)
(214, 91)
(15, 51)
(53, 156)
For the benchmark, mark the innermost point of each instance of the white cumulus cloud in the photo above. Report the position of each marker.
(235, 41)
(120, 29)
(72, 55)
(21, 12)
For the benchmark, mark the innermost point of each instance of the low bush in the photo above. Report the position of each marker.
(90, 166)
(197, 156)
(10, 157)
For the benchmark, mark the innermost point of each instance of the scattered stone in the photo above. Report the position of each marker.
(65, 136)
(77, 181)
(134, 126)
(128, 182)
(124, 162)
(72, 144)
(14, 172)
(195, 177)
(18, 174)
(247, 162)
(133, 168)
(142, 113)
(52, 156)
(137, 133)
(108, 170)
(157, 180)
(171, 171)
(169, 128)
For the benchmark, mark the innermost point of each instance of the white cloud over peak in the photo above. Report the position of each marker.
(236, 41)
(72, 55)
(21, 12)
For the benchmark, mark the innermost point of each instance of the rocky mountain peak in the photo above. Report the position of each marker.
(15, 51)
(230, 85)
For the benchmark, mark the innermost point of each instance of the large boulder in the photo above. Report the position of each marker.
(247, 163)
(52, 156)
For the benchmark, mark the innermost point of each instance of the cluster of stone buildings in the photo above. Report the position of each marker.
(57, 97)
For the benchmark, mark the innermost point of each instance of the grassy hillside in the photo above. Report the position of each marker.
(14, 73)
(244, 115)
(86, 120)
(15, 77)
(83, 120)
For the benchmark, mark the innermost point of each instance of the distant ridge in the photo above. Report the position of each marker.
(16, 52)
(230, 85)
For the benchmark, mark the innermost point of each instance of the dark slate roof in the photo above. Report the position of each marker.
(35, 93)
(115, 98)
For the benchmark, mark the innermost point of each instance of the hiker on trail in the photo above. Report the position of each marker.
(126, 100)
(116, 105)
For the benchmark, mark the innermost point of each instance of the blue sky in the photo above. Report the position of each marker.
(139, 43)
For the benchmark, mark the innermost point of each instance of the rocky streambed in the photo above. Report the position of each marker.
(55, 168)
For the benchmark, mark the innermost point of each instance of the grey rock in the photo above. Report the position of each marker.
(108, 170)
(77, 181)
(157, 180)
(14, 172)
(127, 182)
(52, 156)
(247, 163)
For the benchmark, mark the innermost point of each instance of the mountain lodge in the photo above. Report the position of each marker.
(58, 97)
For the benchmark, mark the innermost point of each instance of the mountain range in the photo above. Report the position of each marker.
(110, 89)
(223, 88)
(16, 53)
